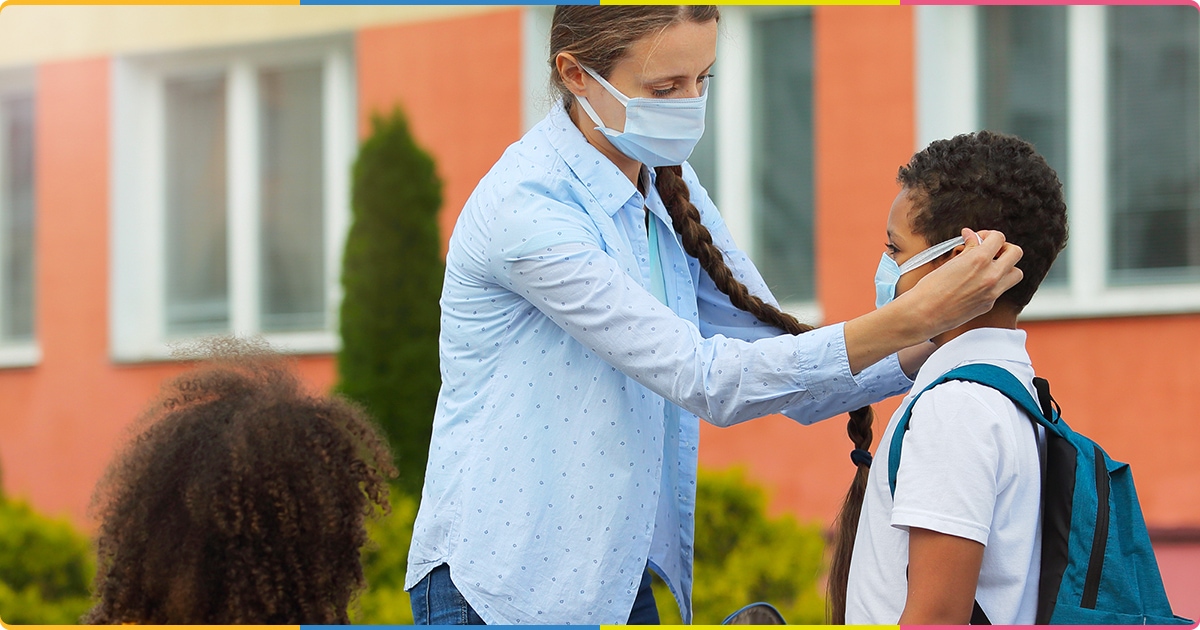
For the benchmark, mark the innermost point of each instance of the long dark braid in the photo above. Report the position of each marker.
(698, 243)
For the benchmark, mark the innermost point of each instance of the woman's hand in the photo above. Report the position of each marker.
(960, 290)
(967, 285)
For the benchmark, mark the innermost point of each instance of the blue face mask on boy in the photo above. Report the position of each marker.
(888, 273)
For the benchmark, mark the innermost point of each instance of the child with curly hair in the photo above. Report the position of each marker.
(964, 524)
(241, 500)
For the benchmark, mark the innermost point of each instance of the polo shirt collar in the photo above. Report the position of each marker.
(981, 345)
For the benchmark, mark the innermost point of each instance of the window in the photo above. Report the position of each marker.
(783, 155)
(17, 340)
(756, 159)
(756, 156)
(231, 195)
(1154, 145)
(1023, 85)
(1111, 97)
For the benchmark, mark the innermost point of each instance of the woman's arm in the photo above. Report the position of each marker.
(960, 290)
(943, 572)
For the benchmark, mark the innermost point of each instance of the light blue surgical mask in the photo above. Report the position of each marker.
(888, 273)
(658, 131)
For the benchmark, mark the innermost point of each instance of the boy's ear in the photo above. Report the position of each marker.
(948, 256)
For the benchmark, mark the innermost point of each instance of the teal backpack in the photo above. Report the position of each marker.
(1098, 567)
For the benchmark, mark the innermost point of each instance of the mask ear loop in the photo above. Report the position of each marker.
(587, 107)
(930, 254)
(621, 98)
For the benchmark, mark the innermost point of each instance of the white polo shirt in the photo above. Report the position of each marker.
(972, 468)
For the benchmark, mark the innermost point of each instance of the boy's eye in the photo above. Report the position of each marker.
(892, 250)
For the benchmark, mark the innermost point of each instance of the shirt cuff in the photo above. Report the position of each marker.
(886, 378)
(824, 365)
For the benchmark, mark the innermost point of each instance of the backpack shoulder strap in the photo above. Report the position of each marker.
(992, 376)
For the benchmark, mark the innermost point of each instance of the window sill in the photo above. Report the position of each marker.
(20, 355)
(295, 343)
(1127, 301)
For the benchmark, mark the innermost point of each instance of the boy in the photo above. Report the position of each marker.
(964, 525)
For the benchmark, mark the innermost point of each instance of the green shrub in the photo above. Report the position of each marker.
(392, 276)
(46, 568)
(385, 561)
(742, 556)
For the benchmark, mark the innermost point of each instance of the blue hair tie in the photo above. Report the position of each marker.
(861, 457)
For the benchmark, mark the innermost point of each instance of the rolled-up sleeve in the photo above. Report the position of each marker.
(835, 390)
(721, 379)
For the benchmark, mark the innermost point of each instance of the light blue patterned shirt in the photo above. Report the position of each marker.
(564, 448)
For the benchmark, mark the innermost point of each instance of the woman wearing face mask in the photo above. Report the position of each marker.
(594, 307)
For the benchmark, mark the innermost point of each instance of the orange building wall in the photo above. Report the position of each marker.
(1133, 385)
(459, 83)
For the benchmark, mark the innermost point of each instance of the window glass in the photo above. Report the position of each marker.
(197, 296)
(16, 219)
(1154, 144)
(783, 150)
(292, 206)
(1023, 85)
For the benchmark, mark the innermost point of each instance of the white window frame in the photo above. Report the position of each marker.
(735, 142)
(18, 81)
(137, 322)
(947, 105)
(734, 102)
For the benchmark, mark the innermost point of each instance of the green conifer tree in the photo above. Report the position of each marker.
(392, 279)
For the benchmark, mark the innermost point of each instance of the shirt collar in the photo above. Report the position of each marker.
(981, 345)
(607, 184)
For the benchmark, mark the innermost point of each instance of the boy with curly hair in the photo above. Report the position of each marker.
(241, 500)
(964, 524)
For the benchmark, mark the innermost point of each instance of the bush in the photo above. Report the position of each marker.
(392, 275)
(46, 568)
(742, 556)
(385, 561)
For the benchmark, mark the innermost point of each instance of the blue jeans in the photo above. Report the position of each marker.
(437, 602)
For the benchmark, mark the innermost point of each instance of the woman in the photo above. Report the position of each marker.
(594, 306)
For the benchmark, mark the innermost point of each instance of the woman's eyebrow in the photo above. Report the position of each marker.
(679, 77)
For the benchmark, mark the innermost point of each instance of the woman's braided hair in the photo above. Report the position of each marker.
(697, 242)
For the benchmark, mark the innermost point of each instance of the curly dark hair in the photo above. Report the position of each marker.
(990, 181)
(241, 500)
